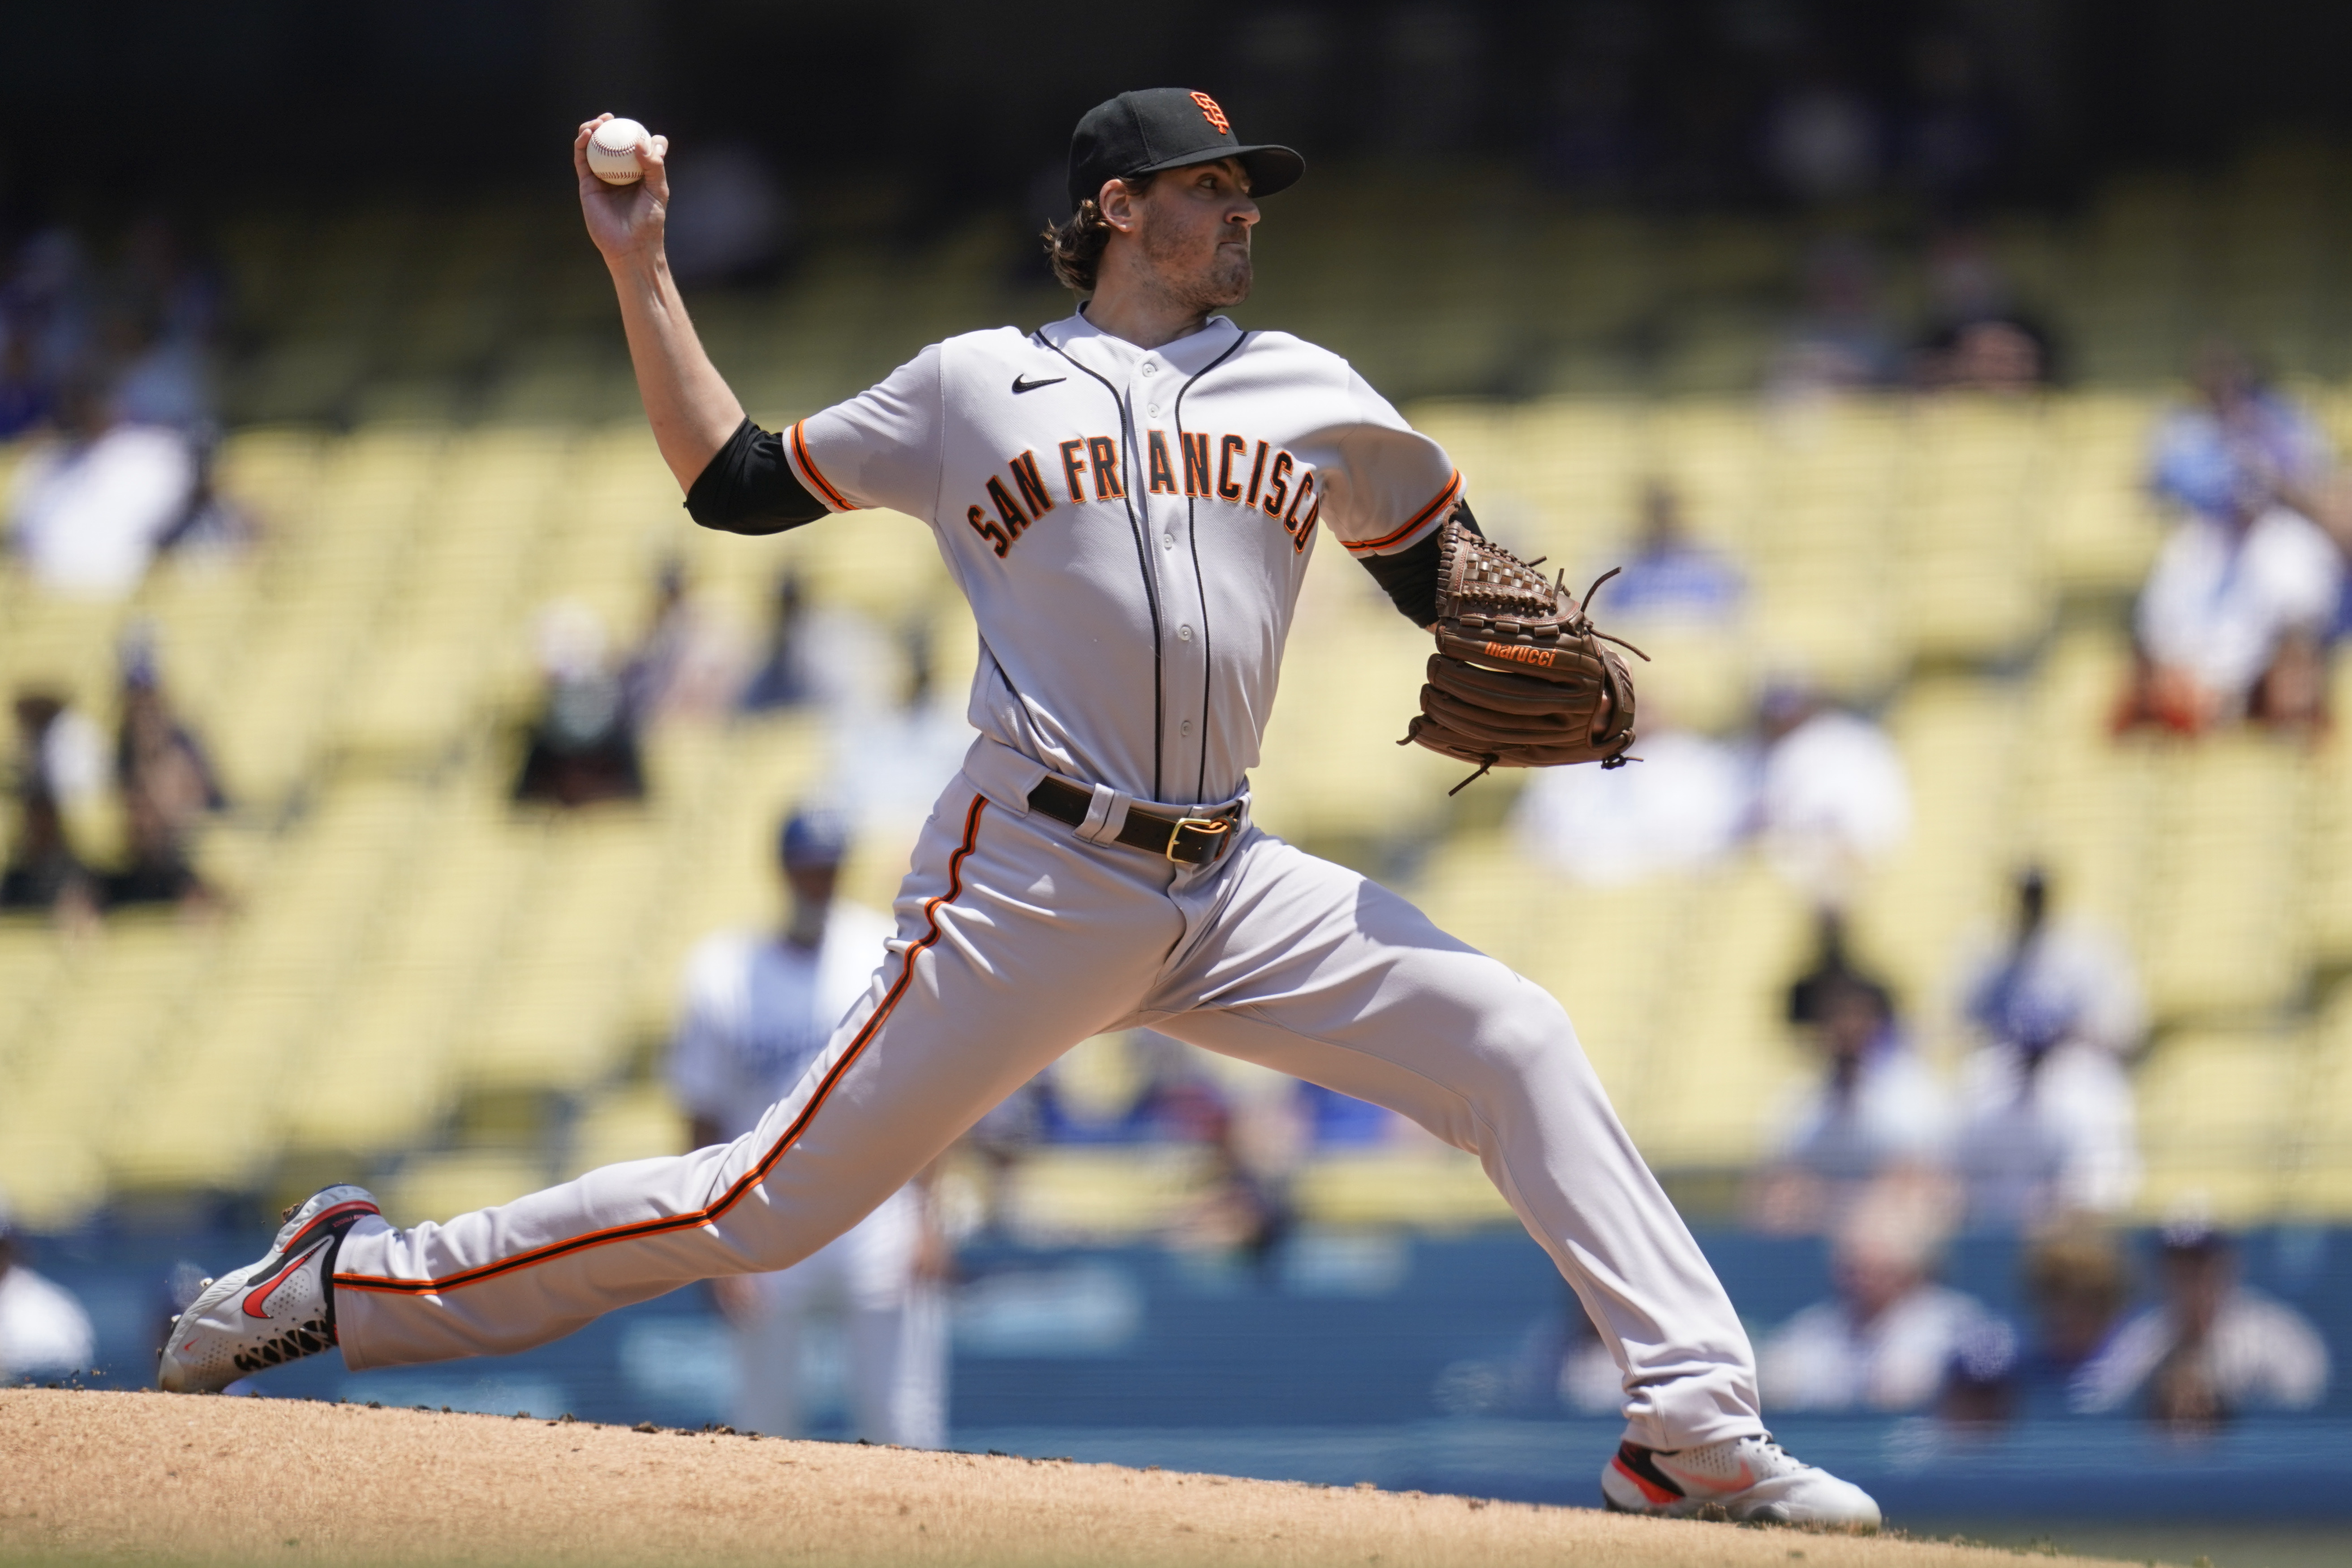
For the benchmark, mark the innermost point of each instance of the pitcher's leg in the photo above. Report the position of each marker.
(1318, 972)
(1008, 951)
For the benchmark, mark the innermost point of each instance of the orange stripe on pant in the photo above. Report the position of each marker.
(750, 1179)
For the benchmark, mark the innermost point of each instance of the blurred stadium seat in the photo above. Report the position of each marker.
(434, 452)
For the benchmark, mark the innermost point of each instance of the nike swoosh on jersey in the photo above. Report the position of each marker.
(1022, 384)
(255, 1297)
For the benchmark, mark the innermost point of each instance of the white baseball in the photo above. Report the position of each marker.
(613, 152)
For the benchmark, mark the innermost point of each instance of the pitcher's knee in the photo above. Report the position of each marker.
(1526, 1033)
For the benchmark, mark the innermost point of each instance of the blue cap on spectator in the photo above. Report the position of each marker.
(814, 838)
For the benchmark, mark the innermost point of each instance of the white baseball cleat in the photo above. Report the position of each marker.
(1750, 1480)
(266, 1313)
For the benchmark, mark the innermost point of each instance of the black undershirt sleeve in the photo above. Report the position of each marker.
(1409, 576)
(748, 488)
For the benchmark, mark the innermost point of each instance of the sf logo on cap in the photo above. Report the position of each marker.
(1213, 114)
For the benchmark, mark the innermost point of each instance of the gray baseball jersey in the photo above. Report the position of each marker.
(1083, 489)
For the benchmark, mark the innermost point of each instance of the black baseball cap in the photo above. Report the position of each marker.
(1160, 128)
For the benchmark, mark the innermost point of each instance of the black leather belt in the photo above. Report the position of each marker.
(1155, 830)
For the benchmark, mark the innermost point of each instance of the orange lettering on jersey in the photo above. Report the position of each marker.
(1196, 463)
(1213, 114)
(1007, 508)
(1163, 471)
(1102, 454)
(1306, 488)
(988, 531)
(1277, 489)
(1228, 487)
(1031, 484)
(1074, 467)
(1257, 473)
(1307, 525)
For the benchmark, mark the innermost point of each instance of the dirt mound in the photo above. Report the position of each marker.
(151, 1477)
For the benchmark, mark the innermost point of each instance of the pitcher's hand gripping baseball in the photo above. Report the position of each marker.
(1519, 678)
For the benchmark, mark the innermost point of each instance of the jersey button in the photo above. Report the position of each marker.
(1152, 409)
(1151, 369)
(1187, 727)
(1184, 634)
(1168, 541)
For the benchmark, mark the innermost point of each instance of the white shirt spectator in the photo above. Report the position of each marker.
(757, 1011)
(1822, 1360)
(2065, 1139)
(87, 518)
(1682, 809)
(1897, 1114)
(2261, 1354)
(43, 1330)
(2218, 605)
(1834, 794)
(2074, 978)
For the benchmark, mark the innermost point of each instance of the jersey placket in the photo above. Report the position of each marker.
(1153, 387)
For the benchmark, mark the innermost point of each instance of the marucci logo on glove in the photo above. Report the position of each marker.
(1568, 700)
(1543, 656)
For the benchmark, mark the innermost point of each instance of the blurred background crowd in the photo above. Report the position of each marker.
(1963, 386)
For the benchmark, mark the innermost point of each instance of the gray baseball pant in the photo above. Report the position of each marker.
(1017, 939)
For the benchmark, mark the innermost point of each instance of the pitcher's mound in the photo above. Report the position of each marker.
(154, 1477)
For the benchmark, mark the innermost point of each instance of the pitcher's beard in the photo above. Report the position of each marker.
(1225, 280)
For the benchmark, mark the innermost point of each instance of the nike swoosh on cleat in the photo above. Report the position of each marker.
(1738, 1483)
(1022, 384)
(259, 1293)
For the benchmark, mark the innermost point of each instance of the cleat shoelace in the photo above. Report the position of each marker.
(302, 1340)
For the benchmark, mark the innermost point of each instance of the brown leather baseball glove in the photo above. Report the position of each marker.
(1519, 678)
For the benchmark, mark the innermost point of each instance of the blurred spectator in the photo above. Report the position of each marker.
(898, 749)
(1992, 355)
(1682, 810)
(2234, 613)
(44, 1332)
(584, 746)
(1979, 1388)
(87, 509)
(2214, 1349)
(1240, 1207)
(1877, 1115)
(783, 679)
(759, 1008)
(687, 665)
(1840, 341)
(1833, 794)
(2048, 1125)
(2075, 1286)
(42, 871)
(2233, 619)
(1884, 1341)
(2057, 979)
(167, 783)
(163, 381)
(1672, 576)
(2240, 438)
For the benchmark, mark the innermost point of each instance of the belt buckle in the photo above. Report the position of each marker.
(1215, 827)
